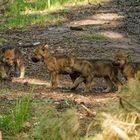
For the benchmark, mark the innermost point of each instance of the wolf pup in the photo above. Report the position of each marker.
(96, 68)
(85, 68)
(3, 74)
(12, 57)
(56, 65)
(129, 70)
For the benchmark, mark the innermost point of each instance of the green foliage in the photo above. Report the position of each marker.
(20, 113)
(21, 13)
(2, 41)
(55, 126)
(23, 21)
(37, 5)
(12, 122)
(16, 7)
(16, 15)
(97, 36)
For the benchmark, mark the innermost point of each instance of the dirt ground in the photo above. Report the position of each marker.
(120, 25)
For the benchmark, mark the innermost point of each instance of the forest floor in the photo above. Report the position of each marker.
(106, 29)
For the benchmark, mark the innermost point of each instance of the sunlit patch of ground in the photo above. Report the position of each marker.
(99, 19)
(31, 81)
(113, 35)
(42, 89)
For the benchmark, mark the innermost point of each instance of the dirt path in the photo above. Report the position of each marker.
(119, 26)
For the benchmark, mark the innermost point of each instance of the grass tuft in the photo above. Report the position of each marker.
(55, 126)
(2, 41)
(12, 121)
(97, 36)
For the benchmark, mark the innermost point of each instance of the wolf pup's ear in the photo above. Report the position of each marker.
(121, 54)
(13, 50)
(46, 46)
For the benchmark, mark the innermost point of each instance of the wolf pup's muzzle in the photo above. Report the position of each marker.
(34, 59)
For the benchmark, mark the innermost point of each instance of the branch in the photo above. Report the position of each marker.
(88, 110)
(121, 103)
(24, 45)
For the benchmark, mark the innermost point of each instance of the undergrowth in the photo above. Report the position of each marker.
(119, 119)
(21, 13)
(14, 117)
(53, 125)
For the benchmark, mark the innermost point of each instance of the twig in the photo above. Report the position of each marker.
(121, 103)
(88, 110)
(28, 45)
(87, 132)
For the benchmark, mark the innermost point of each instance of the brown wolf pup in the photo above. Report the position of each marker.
(2, 71)
(79, 69)
(129, 70)
(56, 65)
(12, 57)
(86, 69)
(97, 68)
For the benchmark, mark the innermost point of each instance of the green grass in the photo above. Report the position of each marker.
(96, 36)
(2, 41)
(53, 125)
(24, 21)
(22, 13)
(13, 118)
